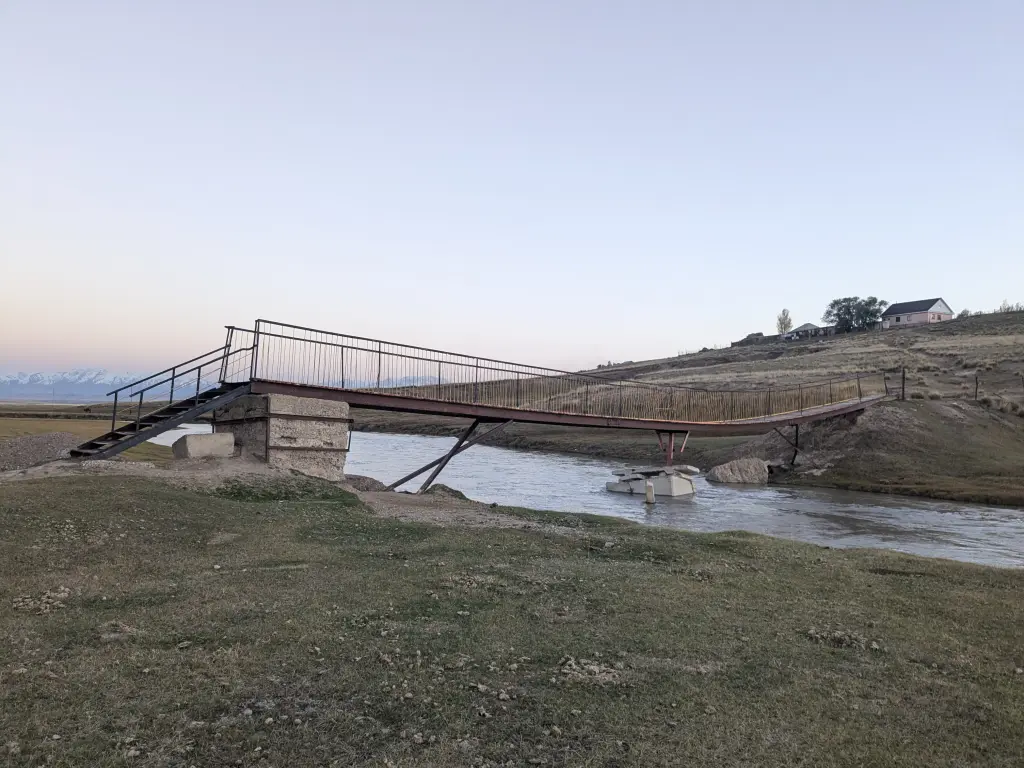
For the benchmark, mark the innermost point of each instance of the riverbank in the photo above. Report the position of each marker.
(299, 624)
(948, 449)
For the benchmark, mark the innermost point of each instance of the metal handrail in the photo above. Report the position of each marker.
(165, 370)
(174, 377)
(538, 372)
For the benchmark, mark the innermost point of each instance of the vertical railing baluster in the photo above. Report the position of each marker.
(380, 354)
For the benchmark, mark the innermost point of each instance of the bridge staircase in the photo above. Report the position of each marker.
(148, 407)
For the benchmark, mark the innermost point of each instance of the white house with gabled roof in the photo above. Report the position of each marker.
(922, 312)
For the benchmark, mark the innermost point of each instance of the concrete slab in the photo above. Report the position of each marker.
(217, 445)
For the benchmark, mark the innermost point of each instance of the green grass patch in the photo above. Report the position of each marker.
(148, 625)
(292, 489)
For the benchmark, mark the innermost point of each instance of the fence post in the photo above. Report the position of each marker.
(223, 362)
(800, 395)
(476, 381)
(255, 351)
(975, 387)
(903, 385)
(860, 395)
(830, 390)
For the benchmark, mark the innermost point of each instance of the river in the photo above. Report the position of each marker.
(973, 533)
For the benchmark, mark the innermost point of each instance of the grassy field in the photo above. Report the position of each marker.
(84, 428)
(146, 625)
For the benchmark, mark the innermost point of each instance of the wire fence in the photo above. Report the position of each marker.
(291, 354)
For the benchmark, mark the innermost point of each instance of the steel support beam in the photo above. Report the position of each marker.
(669, 445)
(794, 445)
(448, 456)
(468, 444)
(384, 402)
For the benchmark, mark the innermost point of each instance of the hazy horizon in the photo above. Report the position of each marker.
(555, 184)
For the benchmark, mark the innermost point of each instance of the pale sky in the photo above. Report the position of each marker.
(558, 183)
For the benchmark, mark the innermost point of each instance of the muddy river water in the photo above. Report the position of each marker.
(975, 533)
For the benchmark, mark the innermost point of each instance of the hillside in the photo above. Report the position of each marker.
(943, 358)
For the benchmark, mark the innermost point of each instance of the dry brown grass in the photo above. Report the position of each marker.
(185, 629)
(988, 345)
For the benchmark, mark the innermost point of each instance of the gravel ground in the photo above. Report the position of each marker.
(25, 452)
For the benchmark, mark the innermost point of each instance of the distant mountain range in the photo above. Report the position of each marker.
(79, 385)
(87, 385)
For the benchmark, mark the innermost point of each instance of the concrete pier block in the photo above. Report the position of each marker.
(302, 434)
(204, 446)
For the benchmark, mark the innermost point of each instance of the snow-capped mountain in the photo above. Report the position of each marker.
(82, 384)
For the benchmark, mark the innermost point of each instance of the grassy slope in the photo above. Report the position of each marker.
(942, 358)
(373, 642)
(944, 449)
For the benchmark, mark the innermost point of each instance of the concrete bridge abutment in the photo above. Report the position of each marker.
(303, 434)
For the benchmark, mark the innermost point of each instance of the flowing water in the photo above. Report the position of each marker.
(975, 533)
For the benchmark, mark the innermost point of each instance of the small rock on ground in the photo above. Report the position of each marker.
(363, 483)
(440, 489)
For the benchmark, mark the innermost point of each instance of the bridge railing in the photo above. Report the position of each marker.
(309, 357)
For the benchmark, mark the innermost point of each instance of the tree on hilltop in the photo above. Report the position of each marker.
(854, 313)
(783, 323)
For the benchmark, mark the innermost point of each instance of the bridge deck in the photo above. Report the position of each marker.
(387, 402)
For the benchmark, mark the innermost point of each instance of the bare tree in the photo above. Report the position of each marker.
(784, 323)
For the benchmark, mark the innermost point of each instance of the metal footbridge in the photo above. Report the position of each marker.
(275, 357)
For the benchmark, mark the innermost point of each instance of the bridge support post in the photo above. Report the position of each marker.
(304, 434)
(794, 443)
(450, 455)
(435, 462)
(669, 446)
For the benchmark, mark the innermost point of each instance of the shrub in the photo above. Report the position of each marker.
(985, 400)
(933, 395)
(915, 395)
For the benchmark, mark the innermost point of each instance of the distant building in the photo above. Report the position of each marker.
(754, 338)
(809, 330)
(916, 313)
